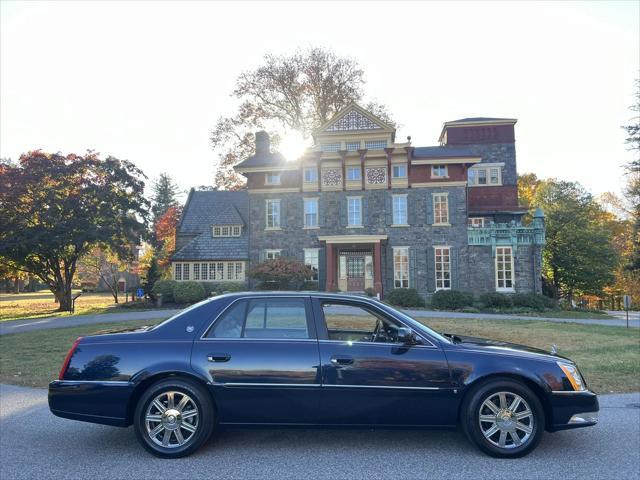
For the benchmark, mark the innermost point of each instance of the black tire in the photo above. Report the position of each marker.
(474, 429)
(198, 396)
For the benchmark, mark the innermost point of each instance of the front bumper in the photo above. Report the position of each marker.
(573, 410)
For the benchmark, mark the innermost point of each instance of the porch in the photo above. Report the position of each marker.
(354, 262)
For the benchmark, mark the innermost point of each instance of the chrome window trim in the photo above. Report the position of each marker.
(235, 339)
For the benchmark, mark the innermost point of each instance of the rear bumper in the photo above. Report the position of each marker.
(91, 401)
(573, 410)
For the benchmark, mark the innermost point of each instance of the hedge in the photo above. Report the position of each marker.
(164, 288)
(451, 300)
(188, 292)
(496, 300)
(405, 297)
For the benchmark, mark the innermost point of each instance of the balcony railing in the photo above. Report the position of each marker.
(507, 234)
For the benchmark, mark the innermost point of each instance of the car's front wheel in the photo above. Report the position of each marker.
(504, 418)
(173, 418)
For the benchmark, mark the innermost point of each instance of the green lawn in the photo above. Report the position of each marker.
(42, 304)
(609, 357)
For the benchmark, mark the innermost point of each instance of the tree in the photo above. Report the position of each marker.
(151, 276)
(55, 208)
(297, 92)
(164, 196)
(282, 272)
(528, 183)
(579, 257)
(104, 264)
(632, 191)
(166, 234)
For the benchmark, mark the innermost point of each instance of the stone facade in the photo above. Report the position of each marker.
(356, 155)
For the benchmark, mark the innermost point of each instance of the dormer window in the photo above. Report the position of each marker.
(272, 179)
(227, 230)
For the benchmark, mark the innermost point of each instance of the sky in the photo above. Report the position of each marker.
(146, 81)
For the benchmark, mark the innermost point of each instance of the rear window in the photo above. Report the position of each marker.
(276, 318)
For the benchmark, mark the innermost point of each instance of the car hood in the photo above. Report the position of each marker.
(504, 348)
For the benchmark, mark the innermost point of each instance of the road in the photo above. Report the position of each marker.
(22, 326)
(35, 444)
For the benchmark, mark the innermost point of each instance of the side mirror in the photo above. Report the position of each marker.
(407, 336)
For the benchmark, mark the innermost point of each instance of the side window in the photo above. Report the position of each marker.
(356, 324)
(276, 318)
(230, 325)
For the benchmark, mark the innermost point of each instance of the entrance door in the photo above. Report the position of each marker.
(355, 273)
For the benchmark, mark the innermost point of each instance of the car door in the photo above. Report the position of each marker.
(262, 361)
(370, 378)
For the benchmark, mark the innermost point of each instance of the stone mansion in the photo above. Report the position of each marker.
(368, 212)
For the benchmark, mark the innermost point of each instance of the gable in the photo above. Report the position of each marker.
(353, 121)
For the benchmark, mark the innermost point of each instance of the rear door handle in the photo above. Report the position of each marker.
(342, 360)
(218, 357)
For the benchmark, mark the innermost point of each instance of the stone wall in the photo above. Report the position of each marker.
(496, 153)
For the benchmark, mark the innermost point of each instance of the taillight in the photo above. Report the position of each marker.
(67, 359)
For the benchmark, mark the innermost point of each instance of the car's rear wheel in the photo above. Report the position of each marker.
(504, 418)
(173, 418)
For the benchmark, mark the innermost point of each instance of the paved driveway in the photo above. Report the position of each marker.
(35, 444)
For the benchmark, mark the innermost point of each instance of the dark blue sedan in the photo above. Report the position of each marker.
(314, 359)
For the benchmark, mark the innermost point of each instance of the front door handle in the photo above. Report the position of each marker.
(218, 357)
(342, 360)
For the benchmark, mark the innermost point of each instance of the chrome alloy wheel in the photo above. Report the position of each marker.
(506, 420)
(170, 424)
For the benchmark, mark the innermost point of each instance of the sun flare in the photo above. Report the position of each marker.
(293, 145)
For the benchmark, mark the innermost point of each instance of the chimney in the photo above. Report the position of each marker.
(262, 142)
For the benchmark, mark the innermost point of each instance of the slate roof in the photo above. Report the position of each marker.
(442, 152)
(480, 119)
(262, 159)
(205, 209)
(207, 247)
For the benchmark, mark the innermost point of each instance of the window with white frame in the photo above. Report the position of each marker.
(203, 271)
(401, 267)
(400, 210)
(310, 212)
(439, 171)
(311, 258)
(272, 254)
(272, 179)
(353, 146)
(214, 271)
(375, 145)
(227, 230)
(443, 267)
(310, 174)
(354, 173)
(329, 147)
(440, 208)
(196, 271)
(485, 175)
(504, 269)
(399, 171)
(185, 271)
(354, 211)
(476, 222)
(273, 213)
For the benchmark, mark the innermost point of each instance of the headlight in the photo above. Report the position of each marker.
(572, 373)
